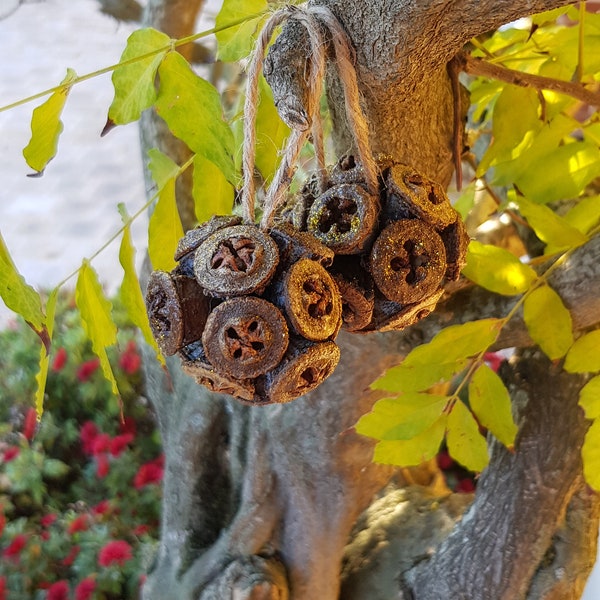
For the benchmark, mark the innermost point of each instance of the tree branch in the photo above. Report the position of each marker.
(478, 66)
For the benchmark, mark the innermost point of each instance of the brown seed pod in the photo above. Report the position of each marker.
(177, 310)
(348, 170)
(190, 242)
(294, 245)
(456, 240)
(235, 261)
(357, 303)
(195, 364)
(408, 261)
(411, 195)
(245, 337)
(303, 368)
(344, 218)
(310, 299)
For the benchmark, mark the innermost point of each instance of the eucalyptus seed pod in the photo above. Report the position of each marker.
(310, 300)
(190, 242)
(245, 337)
(348, 170)
(411, 195)
(195, 364)
(303, 368)
(344, 218)
(177, 310)
(408, 261)
(456, 240)
(235, 261)
(357, 303)
(294, 245)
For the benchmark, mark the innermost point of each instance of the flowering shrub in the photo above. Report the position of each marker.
(79, 491)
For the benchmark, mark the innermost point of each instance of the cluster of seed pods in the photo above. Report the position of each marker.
(255, 314)
(394, 249)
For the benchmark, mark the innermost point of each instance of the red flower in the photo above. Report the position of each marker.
(60, 360)
(130, 360)
(128, 425)
(493, 360)
(85, 589)
(68, 560)
(147, 474)
(119, 443)
(30, 423)
(102, 465)
(101, 508)
(58, 591)
(101, 444)
(117, 552)
(11, 453)
(48, 519)
(81, 523)
(465, 486)
(87, 369)
(444, 461)
(14, 549)
(2, 520)
(141, 530)
(87, 434)
(2, 588)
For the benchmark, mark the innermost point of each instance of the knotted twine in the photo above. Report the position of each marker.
(312, 18)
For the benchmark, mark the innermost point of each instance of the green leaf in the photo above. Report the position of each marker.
(16, 293)
(548, 321)
(590, 454)
(589, 398)
(585, 215)
(465, 444)
(497, 270)
(164, 230)
(490, 402)
(192, 109)
(130, 292)
(237, 23)
(213, 194)
(135, 82)
(44, 363)
(402, 418)
(54, 468)
(412, 452)
(162, 167)
(46, 126)
(584, 355)
(444, 356)
(95, 312)
(549, 227)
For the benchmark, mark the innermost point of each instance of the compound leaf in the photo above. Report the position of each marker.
(465, 443)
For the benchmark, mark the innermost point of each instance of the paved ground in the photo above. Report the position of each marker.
(51, 223)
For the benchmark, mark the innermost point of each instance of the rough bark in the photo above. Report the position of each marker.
(260, 503)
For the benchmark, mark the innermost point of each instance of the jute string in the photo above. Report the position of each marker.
(310, 17)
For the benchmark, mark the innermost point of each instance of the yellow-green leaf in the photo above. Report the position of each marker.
(490, 401)
(46, 126)
(192, 109)
(589, 398)
(402, 418)
(497, 270)
(465, 444)
(16, 293)
(164, 230)
(213, 194)
(551, 228)
(96, 316)
(162, 167)
(585, 215)
(42, 374)
(412, 452)
(130, 292)
(590, 454)
(584, 355)
(134, 82)
(236, 24)
(548, 321)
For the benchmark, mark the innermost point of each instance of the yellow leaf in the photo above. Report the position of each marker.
(164, 230)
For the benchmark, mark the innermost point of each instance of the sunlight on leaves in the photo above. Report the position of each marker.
(46, 126)
(465, 444)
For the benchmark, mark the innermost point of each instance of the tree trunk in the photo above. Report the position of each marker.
(266, 503)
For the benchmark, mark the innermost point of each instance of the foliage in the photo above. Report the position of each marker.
(79, 500)
(538, 165)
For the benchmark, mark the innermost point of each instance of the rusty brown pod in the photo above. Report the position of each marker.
(235, 261)
(245, 337)
(344, 218)
(408, 261)
(304, 367)
(294, 245)
(310, 299)
(177, 310)
(456, 240)
(357, 303)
